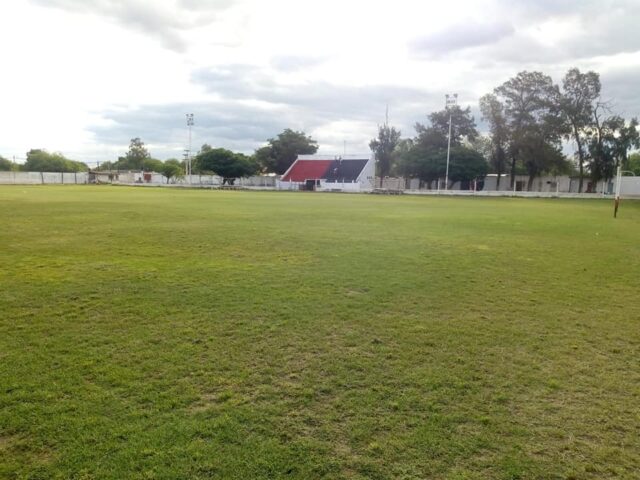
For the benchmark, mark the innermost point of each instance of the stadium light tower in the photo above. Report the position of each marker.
(451, 101)
(188, 165)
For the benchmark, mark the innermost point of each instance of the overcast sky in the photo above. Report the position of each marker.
(85, 76)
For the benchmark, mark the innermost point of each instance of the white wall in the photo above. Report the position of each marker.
(40, 178)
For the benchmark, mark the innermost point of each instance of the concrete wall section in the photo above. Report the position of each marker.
(43, 178)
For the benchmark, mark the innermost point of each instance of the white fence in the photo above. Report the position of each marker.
(542, 186)
(43, 178)
(546, 186)
(126, 178)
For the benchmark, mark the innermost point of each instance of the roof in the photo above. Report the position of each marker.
(345, 170)
(302, 170)
(331, 168)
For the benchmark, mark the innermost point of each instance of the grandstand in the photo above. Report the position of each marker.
(345, 173)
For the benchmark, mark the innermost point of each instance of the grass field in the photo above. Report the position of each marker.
(153, 333)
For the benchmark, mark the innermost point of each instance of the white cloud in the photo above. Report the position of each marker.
(84, 76)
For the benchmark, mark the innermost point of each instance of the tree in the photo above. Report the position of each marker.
(225, 163)
(383, 148)
(463, 124)
(137, 154)
(465, 164)
(625, 138)
(601, 162)
(152, 165)
(534, 121)
(39, 160)
(172, 168)
(425, 157)
(5, 165)
(428, 165)
(633, 163)
(610, 142)
(580, 91)
(493, 113)
(282, 151)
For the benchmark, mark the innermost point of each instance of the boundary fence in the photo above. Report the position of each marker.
(551, 187)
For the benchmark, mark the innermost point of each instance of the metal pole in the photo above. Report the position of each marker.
(188, 159)
(446, 176)
(618, 186)
(450, 102)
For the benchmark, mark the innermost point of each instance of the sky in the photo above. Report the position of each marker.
(83, 77)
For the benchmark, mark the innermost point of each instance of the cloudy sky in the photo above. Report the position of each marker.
(85, 76)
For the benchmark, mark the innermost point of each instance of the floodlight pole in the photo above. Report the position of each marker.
(188, 163)
(451, 101)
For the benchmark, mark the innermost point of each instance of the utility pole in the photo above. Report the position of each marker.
(188, 156)
(451, 101)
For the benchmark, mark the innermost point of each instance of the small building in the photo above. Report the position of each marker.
(330, 173)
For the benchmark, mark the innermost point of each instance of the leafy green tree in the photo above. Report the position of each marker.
(534, 120)
(463, 125)
(152, 165)
(39, 160)
(426, 155)
(225, 163)
(399, 153)
(493, 113)
(280, 152)
(610, 142)
(135, 157)
(580, 92)
(428, 165)
(430, 138)
(624, 139)
(383, 147)
(465, 164)
(5, 165)
(633, 163)
(172, 168)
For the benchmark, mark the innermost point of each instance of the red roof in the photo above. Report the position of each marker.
(307, 170)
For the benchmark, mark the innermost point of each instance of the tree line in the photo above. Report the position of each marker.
(275, 157)
(39, 160)
(529, 117)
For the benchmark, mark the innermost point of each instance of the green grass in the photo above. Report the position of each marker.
(152, 333)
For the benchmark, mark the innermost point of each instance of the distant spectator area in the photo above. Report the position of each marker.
(333, 172)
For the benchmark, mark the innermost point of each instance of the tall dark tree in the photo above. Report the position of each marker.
(611, 140)
(580, 92)
(426, 156)
(280, 152)
(625, 138)
(493, 112)
(383, 147)
(463, 125)
(5, 165)
(533, 118)
(429, 165)
(601, 161)
(137, 154)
